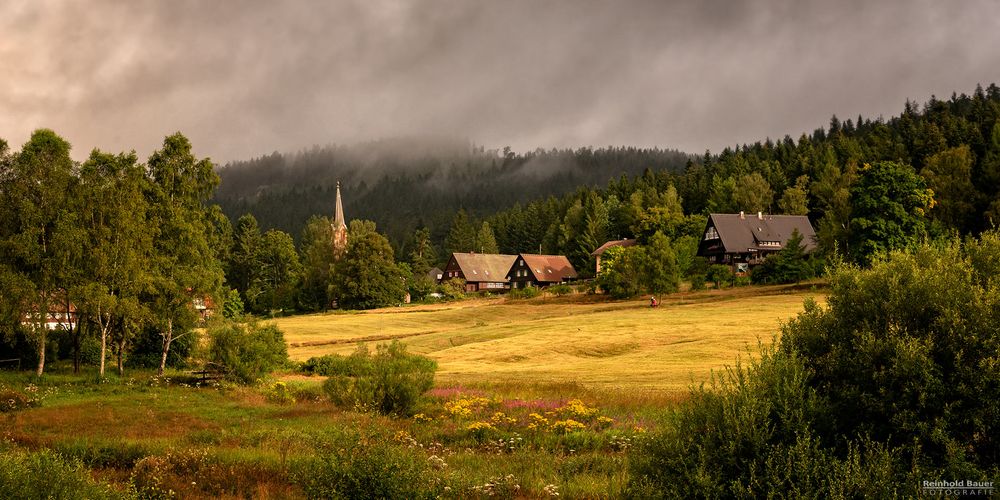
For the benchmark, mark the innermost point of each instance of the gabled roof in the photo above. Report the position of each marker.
(549, 268)
(484, 267)
(435, 273)
(741, 233)
(614, 243)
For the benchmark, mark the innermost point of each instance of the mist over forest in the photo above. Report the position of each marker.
(405, 183)
(439, 191)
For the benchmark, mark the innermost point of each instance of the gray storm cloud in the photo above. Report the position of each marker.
(250, 77)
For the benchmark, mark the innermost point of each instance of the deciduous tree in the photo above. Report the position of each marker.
(185, 265)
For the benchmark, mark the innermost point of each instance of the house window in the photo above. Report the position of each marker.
(711, 234)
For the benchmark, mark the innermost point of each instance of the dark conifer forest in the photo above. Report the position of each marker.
(944, 175)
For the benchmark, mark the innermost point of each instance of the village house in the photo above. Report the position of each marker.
(62, 314)
(481, 271)
(742, 241)
(604, 248)
(540, 270)
(204, 306)
(435, 274)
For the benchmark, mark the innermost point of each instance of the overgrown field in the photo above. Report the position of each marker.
(581, 339)
(532, 399)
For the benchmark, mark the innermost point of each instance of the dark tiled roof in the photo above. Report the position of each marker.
(435, 274)
(741, 233)
(484, 267)
(549, 268)
(615, 243)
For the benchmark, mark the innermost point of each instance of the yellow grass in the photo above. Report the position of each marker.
(601, 344)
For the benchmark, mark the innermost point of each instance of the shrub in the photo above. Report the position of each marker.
(750, 433)
(279, 393)
(391, 381)
(116, 455)
(660, 272)
(560, 289)
(12, 400)
(790, 265)
(698, 281)
(892, 383)
(420, 287)
(368, 470)
(333, 364)
(524, 293)
(621, 270)
(719, 274)
(453, 289)
(249, 351)
(195, 473)
(232, 304)
(45, 474)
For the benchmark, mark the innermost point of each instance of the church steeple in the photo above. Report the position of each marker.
(338, 226)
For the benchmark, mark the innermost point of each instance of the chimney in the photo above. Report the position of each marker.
(741, 215)
(760, 216)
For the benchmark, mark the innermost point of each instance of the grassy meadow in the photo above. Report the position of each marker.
(532, 398)
(577, 339)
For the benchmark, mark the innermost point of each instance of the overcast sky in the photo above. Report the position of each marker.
(250, 77)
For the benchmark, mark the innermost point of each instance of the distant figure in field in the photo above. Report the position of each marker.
(653, 302)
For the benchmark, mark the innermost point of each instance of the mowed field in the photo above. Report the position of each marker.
(583, 339)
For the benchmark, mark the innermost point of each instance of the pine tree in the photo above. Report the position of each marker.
(462, 236)
(486, 242)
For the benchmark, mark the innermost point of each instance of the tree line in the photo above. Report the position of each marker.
(131, 245)
(868, 186)
(946, 156)
(135, 251)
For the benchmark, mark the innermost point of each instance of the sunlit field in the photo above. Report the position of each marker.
(536, 397)
(580, 338)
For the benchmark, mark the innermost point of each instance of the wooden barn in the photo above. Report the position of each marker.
(481, 271)
(540, 270)
(743, 241)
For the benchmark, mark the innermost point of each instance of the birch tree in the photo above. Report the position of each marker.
(184, 264)
(38, 232)
(118, 243)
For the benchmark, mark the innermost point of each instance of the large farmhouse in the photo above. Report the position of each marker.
(743, 241)
(540, 270)
(481, 271)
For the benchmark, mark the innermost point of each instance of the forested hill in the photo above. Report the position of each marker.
(402, 184)
(867, 185)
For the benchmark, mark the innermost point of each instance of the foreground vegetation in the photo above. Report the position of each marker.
(156, 437)
(893, 383)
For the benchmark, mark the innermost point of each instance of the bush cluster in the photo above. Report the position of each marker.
(368, 469)
(45, 474)
(389, 381)
(525, 293)
(13, 400)
(893, 383)
(652, 268)
(248, 351)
